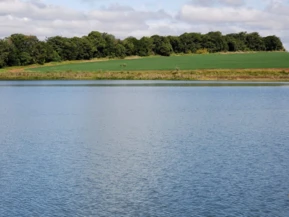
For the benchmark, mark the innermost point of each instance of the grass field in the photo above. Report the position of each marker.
(270, 66)
(262, 60)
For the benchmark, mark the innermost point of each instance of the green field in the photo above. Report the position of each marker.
(262, 66)
(263, 60)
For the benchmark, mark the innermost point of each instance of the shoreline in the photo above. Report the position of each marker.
(185, 75)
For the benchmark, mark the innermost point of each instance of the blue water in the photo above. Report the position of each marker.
(124, 148)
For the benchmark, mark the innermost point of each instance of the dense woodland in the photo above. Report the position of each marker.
(20, 50)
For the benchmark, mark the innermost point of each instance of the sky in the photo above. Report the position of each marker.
(46, 18)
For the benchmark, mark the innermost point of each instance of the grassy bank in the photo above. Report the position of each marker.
(238, 75)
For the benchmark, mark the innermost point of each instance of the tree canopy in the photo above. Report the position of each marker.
(20, 49)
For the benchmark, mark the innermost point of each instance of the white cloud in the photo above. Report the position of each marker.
(44, 20)
(271, 20)
(210, 3)
(233, 2)
(33, 17)
(234, 16)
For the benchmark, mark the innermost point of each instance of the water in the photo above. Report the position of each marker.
(120, 148)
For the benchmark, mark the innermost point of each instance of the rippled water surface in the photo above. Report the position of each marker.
(119, 148)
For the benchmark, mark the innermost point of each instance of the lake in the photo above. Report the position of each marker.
(144, 148)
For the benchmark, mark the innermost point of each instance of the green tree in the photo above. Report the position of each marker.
(98, 43)
(191, 42)
(216, 42)
(85, 49)
(232, 45)
(4, 53)
(236, 42)
(110, 44)
(161, 45)
(144, 46)
(26, 48)
(120, 51)
(255, 42)
(51, 54)
(25, 58)
(65, 47)
(130, 44)
(13, 58)
(273, 43)
(176, 44)
(39, 54)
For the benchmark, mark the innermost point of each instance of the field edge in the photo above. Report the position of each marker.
(195, 75)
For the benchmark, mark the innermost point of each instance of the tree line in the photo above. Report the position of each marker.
(21, 50)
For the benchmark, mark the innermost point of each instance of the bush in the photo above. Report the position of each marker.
(202, 51)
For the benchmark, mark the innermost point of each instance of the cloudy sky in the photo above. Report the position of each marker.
(125, 18)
